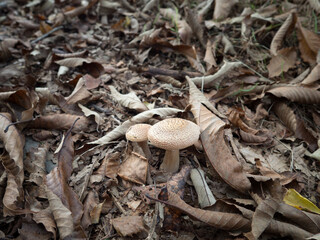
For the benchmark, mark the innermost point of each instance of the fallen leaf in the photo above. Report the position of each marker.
(282, 62)
(87, 112)
(313, 76)
(129, 100)
(309, 43)
(128, 225)
(285, 29)
(223, 8)
(297, 94)
(94, 68)
(294, 199)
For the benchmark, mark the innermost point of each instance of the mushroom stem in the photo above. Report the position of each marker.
(171, 161)
(146, 150)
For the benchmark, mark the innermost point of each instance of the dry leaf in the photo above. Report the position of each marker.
(128, 225)
(94, 68)
(62, 215)
(129, 100)
(309, 44)
(87, 112)
(79, 93)
(285, 29)
(297, 94)
(293, 198)
(313, 76)
(134, 168)
(223, 8)
(140, 118)
(282, 62)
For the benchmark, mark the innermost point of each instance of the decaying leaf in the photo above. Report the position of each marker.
(129, 225)
(282, 62)
(87, 112)
(134, 168)
(95, 68)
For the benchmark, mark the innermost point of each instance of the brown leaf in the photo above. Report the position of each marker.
(309, 43)
(134, 168)
(194, 22)
(282, 62)
(252, 138)
(297, 94)
(94, 68)
(56, 181)
(235, 118)
(223, 8)
(128, 225)
(13, 143)
(30, 231)
(220, 220)
(92, 200)
(295, 124)
(59, 122)
(262, 216)
(313, 76)
(79, 93)
(62, 215)
(46, 218)
(285, 29)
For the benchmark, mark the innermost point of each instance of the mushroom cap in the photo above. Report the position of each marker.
(138, 132)
(174, 134)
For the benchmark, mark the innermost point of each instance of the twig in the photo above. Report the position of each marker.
(46, 34)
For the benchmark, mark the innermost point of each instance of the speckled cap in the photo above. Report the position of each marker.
(138, 132)
(174, 134)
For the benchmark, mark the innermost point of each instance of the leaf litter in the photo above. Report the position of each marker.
(76, 75)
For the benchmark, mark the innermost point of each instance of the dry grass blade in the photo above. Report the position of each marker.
(61, 214)
(140, 118)
(297, 94)
(284, 30)
(220, 220)
(129, 100)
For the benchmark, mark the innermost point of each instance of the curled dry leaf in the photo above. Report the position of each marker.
(128, 225)
(220, 220)
(140, 118)
(297, 94)
(59, 122)
(282, 62)
(309, 44)
(13, 143)
(252, 138)
(313, 76)
(129, 100)
(185, 31)
(215, 79)
(223, 8)
(87, 112)
(79, 93)
(46, 217)
(194, 23)
(235, 118)
(285, 29)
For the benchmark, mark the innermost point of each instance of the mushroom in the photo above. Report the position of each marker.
(172, 135)
(139, 133)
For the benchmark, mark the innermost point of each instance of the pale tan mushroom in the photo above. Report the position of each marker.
(172, 135)
(139, 133)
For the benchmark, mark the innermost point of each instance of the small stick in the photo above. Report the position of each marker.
(46, 34)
